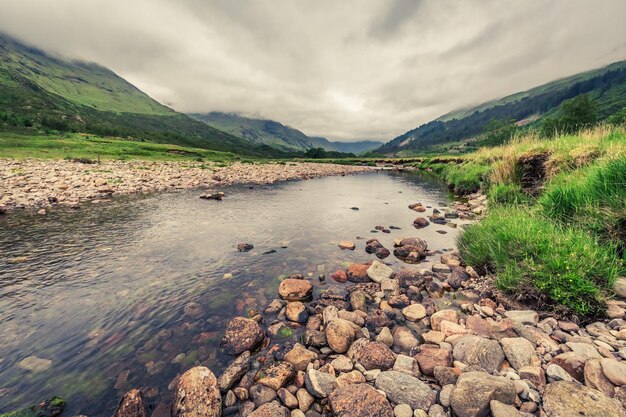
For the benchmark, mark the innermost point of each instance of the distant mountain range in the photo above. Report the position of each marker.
(277, 135)
(607, 86)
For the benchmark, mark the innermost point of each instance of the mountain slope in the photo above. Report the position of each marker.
(607, 86)
(40, 92)
(275, 134)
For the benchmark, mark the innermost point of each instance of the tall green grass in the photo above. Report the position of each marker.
(593, 198)
(539, 260)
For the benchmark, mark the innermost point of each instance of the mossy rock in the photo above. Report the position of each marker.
(50, 408)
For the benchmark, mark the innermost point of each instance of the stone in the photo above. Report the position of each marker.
(305, 400)
(271, 409)
(499, 409)
(35, 364)
(385, 336)
(474, 350)
(260, 394)
(349, 378)
(403, 339)
(523, 316)
(359, 400)
(445, 375)
(614, 371)
(519, 352)
(443, 315)
(534, 374)
(339, 335)
(291, 289)
(342, 364)
(131, 405)
(620, 287)
(347, 244)
(234, 371)
(420, 222)
(378, 271)
(414, 312)
(339, 276)
(319, 384)
(300, 357)
(406, 365)
(586, 350)
(276, 375)
(358, 300)
(372, 355)
(403, 410)
(358, 273)
(567, 399)
(287, 398)
(442, 268)
(241, 334)
(595, 378)
(296, 312)
(430, 358)
(474, 392)
(450, 329)
(555, 373)
(197, 394)
(406, 389)
(573, 363)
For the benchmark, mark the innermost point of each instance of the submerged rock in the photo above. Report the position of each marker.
(132, 405)
(197, 394)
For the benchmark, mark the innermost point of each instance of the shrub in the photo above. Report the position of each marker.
(467, 177)
(539, 260)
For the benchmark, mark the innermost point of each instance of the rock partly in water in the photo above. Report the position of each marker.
(197, 394)
(241, 334)
(292, 289)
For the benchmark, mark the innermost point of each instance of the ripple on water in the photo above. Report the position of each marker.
(101, 292)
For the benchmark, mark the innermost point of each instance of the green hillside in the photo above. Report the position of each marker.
(40, 93)
(606, 86)
(277, 135)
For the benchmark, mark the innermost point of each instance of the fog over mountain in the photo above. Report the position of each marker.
(342, 70)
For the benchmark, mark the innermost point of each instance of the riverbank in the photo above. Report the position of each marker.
(41, 184)
(406, 343)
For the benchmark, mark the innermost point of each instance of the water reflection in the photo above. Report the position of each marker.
(101, 292)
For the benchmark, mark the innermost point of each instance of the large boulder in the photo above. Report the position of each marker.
(484, 353)
(372, 355)
(241, 334)
(406, 389)
(292, 289)
(132, 405)
(197, 394)
(359, 400)
(339, 335)
(475, 390)
(567, 399)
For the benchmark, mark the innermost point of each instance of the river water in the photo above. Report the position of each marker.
(92, 301)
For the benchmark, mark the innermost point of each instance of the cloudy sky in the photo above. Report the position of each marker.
(347, 70)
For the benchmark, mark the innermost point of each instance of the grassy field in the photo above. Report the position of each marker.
(75, 146)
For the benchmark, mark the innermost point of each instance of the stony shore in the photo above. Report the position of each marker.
(402, 342)
(41, 184)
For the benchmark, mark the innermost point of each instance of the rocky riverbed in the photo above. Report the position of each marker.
(41, 184)
(402, 342)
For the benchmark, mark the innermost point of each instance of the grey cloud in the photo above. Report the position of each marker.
(344, 70)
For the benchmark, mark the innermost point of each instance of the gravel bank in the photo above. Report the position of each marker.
(39, 184)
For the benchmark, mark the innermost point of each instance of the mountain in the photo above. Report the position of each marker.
(42, 92)
(607, 86)
(277, 135)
